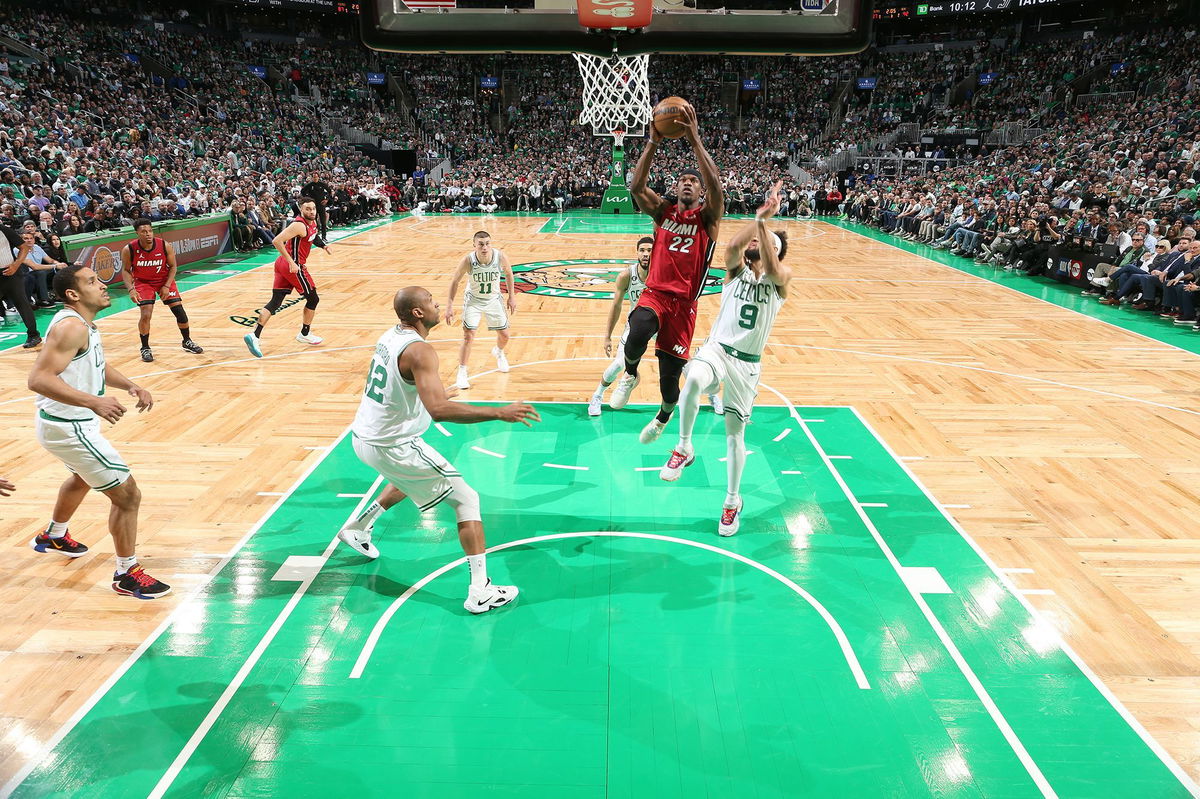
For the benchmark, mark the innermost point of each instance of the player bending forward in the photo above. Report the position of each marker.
(756, 284)
(403, 395)
(630, 283)
(484, 267)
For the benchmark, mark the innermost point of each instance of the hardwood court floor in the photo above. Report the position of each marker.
(1064, 446)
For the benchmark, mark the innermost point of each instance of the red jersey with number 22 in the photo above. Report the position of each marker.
(682, 252)
(149, 266)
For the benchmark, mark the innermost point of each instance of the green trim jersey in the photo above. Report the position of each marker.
(483, 285)
(390, 411)
(84, 373)
(636, 286)
(749, 306)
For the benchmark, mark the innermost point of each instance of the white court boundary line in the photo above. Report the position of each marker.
(860, 676)
(50, 745)
(214, 713)
(1011, 587)
(951, 648)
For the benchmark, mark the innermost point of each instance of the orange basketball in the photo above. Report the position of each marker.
(666, 115)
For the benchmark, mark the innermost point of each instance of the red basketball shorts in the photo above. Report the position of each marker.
(285, 279)
(676, 321)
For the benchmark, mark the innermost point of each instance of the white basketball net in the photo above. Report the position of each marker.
(616, 94)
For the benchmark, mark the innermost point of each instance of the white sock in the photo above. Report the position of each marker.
(735, 463)
(56, 529)
(125, 564)
(732, 500)
(478, 566)
(600, 389)
(367, 516)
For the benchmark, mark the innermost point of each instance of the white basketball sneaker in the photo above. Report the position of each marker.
(359, 540)
(594, 405)
(731, 519)
(309, 339)
(620, 395)
(652, 431)
(681, 458)
(460, 381)
(501, 361)
(717, 406)
(252, 344)
(490, 597)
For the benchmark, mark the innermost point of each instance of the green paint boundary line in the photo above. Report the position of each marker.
(244, 264)
(1051, 291)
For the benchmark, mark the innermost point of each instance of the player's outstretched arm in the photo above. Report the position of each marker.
(648, 200)
(773, 268)
(714, 202)
(736, 247)
(64, 341)
(421, 362)
(614, 310)
(459, 274)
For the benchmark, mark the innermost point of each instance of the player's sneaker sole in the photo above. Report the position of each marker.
(489, 598)
(359, 541)
(252, 345)
(311, 340)
(139, 585)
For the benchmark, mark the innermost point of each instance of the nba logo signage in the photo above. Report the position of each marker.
(376, 78)
(812, 6)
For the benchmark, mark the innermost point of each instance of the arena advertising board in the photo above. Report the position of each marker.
(192, 243)
(584, 279)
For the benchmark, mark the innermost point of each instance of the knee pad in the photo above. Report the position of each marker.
(177, 309)
(669, 370)
(276, 300)
(311, 299)
(464, 500)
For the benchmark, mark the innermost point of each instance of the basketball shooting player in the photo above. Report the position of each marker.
(484, 267)
(685, 232)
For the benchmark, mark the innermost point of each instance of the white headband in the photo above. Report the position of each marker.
(777, 240)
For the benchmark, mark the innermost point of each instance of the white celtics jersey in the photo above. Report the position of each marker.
(390, 410)
(636, 287)
(748, 309)
(484, 283)
(84, 373)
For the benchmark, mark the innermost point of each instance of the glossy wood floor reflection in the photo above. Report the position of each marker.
(1064, 446)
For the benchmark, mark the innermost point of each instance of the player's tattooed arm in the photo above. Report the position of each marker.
(648, 200)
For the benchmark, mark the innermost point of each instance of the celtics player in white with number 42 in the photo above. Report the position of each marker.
(403, 396)
(70, 377)
(630, 283)
(756, 284)
(483, 267)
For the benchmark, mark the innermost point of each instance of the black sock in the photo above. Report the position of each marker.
(145, 339)
(664, 415)
(258, 331)
(304, 330)
(186, 332)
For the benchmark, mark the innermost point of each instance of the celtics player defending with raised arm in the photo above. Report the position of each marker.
(630, 283)
(756, 284)
(484, 267)
(403, 396)
(69, 378)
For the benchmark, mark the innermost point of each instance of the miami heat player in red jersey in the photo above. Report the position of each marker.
(685, 232)
(291, 272)
(148, 271)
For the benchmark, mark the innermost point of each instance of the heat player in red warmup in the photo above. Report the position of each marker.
(685, 233)
(294, 243)
(148, 270)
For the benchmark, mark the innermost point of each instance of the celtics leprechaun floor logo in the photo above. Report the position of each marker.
(584, 278)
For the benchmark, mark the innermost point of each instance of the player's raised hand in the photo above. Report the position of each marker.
(771, 206)
(689, 123)
(144, 401)
(521, 412)
(109, 409)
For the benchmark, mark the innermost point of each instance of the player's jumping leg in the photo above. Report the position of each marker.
(735, 445)
(643, 326)
(310, 310)
(181, 319)
(700, 379)
(670, 367)
(57, 537)
(357, 532)
(265, 313)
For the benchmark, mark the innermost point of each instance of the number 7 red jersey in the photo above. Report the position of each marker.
(682, 252)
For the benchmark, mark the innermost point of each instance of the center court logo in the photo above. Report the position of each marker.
(583, 279)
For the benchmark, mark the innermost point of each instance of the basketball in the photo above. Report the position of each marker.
(666, 116)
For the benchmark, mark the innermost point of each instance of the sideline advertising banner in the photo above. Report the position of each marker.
(193, 240)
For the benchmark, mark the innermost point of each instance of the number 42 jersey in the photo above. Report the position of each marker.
(390, 410)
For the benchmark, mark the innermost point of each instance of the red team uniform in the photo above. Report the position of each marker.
(678, 268)
(300, 247)
(149, 270)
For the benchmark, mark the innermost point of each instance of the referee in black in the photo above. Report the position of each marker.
(319, 191)
(12, 283)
